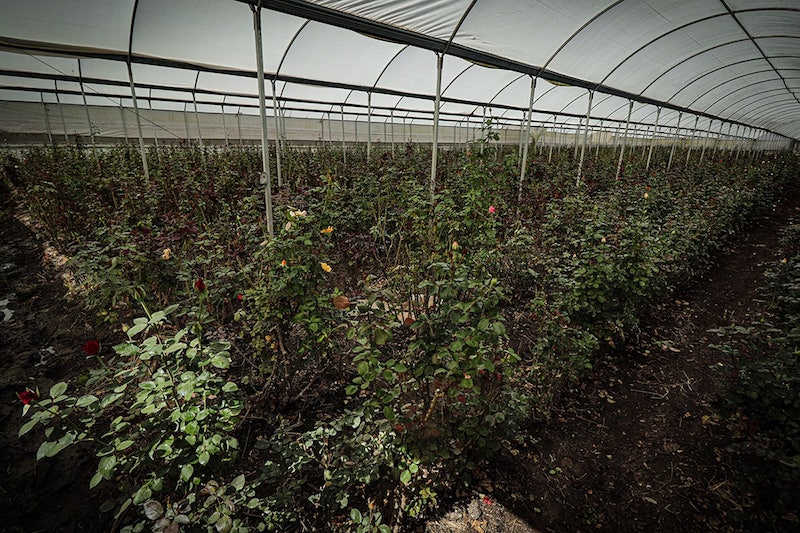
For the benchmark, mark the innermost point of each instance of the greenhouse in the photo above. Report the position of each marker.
(397, 265)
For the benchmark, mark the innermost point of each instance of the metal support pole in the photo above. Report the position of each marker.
(483, 125)
(718, 139)
(47, 122)
(88, 117)
(524, 166)
(728, 138)
(344, 139)
(369, 125)
(124, 124)
(705, 140)
(186, 122)
(691, 142)
(278, 147)
(624, 139)
(653, 140)
(224, 126)
(61, 112)
(738, 142)
(266, 178)
(391, 114)
(138, 124)
(597, 144)
(437, 102)
(197, 122)
(585, 138)
(577, 139)
(675, 140)
(239, 124)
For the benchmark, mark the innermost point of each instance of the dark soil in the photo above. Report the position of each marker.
(40, 345)
(639, 443)
(636, 445)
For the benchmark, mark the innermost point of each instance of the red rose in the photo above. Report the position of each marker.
(200, 285)
(461, 398)
(91, 347)
(27, 396)
(239, 297)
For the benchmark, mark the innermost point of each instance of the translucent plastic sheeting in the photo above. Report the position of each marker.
(735, 60)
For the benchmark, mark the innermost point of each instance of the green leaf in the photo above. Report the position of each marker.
(124, 445)
(351, 389)
(230, 387)
(186, 472)
(136, 329)
(96, 478)
(27, 426)
(405, 477)
(174, 347)
(363, 367)
(238, 482)
(142, 495)
(58, 389)
(203, 458)
(221, 360)
(388, 412)
(86, 400)
(355, 515)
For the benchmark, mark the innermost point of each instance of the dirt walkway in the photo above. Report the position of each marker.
(41, 336)
(636, 446)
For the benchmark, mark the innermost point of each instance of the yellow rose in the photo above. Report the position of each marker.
(326, 267)
(166, 254)
(329, 229)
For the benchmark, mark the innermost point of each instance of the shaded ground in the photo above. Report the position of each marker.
(41, 336)
(635, 446)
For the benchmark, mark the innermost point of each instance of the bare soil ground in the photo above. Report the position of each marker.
(636, 445)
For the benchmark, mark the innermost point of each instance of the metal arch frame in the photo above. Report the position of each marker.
(386, 31)
(731, 93)
(655, 103)
(728, 65)
(716, 102)
(754, 39)
(748, 97)
(733, 79)
(777, 105)
(759, 113)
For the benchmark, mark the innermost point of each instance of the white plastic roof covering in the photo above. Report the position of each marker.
(734, 60)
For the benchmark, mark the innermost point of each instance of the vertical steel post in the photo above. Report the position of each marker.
(691, 141)
(718, 139)
(653, 139)
(47, 122)
(88, 117)
(705, 140)
(266, 178)
(738, 142)
(524, 166)
(344, 138)
(675, 140)
(437, 102)
(369, 125)
(585, 137)
(278, 146)
(61, 112)
(239, 124)
(624, 140)
(142, 151)
(124, 124)
(391, 114)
